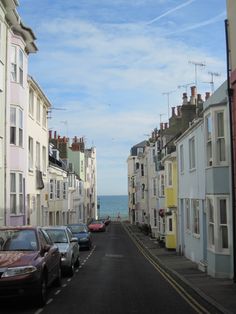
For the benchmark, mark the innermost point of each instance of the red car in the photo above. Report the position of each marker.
(97, 225)
(29, 263)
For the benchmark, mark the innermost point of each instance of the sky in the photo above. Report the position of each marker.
(112, 69)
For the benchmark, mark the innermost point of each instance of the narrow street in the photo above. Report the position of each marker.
(114, 278)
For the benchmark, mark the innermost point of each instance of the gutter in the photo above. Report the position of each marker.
(232, 146)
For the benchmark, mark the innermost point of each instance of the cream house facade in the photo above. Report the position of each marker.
(37, 149)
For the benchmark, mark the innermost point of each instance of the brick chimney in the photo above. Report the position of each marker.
(55, 135)
(173, 111)
(207, 95)
(166, 125)
(185, 99)
(50, 134)
(179, 111)
(193, 97)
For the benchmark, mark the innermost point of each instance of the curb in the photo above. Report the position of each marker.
(175, 275)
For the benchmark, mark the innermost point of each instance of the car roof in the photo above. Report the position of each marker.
(55, 227)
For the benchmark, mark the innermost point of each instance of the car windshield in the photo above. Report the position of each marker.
(18, 240)
(78, 229)
(57, 236)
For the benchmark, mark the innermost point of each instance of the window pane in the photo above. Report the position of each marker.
(12, 135)
(221, 149)
(13, 203)
(223, 212)
(13, 116)
(21, 204)
(220, 124)
(13, 183)
(20, 137)
(211, 235)
(209, 127)
(20, 183)
(211, 211)
(224, 237)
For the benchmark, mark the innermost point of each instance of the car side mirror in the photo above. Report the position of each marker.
(45, 248)
(74, 239)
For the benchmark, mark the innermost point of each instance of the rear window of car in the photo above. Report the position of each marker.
(57, 235)
(78, 229)
(18, 240)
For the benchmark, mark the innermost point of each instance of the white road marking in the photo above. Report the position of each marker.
(69, 279)
(64, 285)
(49, 301)
(57, 292)
(38, 311)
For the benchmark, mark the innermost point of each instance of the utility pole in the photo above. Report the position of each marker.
(197, 64)
(168, 100)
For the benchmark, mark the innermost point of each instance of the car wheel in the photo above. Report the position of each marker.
(42, 296)
(77, 262)
(58, 279)
(71, 269)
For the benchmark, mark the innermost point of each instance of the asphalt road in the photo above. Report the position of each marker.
(114, 278)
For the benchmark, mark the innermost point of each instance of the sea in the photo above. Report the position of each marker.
(114, 206)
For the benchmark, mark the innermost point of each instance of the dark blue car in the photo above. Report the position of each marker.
(81, 232)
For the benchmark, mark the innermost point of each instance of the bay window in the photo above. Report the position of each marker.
(16, 126)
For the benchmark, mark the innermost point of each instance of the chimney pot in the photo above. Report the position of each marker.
(55, 135)
(173, 111)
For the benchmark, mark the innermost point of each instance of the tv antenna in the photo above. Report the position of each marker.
(168, 99)
(185, 86)
(49, 111)
(212, 74)
(197, 64)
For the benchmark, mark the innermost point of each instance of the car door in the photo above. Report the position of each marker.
(51, 257)
(73, 245)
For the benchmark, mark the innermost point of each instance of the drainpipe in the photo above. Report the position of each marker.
(232, 146)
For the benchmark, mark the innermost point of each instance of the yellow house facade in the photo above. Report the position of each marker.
(170, 165)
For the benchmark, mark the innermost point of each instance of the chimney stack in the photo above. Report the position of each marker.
(161, 125)
(193, 97)
(50, 134)
(178, 111)
(173, 111)
(185, 99)
(55, 135)
(207, 95)
(166, 125)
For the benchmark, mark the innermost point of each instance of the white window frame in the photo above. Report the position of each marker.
(44, 116)
(216, 141)
(30, 153)
(1, 152)
(38, 110)
(192, 153)
(16, 193)
(219, 137)
(51, 189)
(187, 215)
(16, 126)
(169, 173)
(196, 216)
(31, 102)
(44, 160)
(215, 242)
(37, 156)
(17, 65)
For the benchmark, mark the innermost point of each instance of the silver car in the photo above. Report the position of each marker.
(67, 245)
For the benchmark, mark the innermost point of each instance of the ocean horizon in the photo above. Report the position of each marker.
(113, 206)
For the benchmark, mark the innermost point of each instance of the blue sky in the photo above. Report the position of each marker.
(109, 63)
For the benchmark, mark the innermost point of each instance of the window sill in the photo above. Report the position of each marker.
(31, 171)
(196, 235)
(225, 252)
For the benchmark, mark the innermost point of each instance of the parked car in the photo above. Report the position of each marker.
(97, 225)
(29, 263)
(67, 245)
(82, 233)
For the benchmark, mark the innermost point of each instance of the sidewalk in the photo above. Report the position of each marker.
(220, 293)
